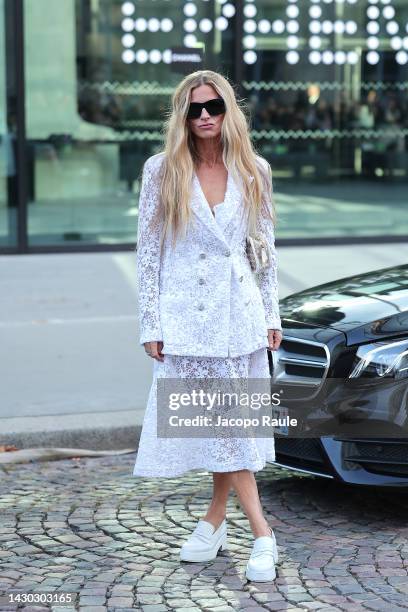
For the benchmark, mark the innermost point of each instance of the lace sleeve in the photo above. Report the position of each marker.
(148, 253)
(268, 279)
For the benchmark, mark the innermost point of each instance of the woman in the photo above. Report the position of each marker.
(203, 312)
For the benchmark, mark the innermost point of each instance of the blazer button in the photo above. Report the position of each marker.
(227, 253)
(202, 255)
(201, 281)
(201, 307)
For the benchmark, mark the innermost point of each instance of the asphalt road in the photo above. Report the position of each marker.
(70, 354)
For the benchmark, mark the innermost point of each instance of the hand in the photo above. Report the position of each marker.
(154, 349)
(274, 338)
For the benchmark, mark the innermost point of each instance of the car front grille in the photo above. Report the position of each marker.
(305, 453)
(301, 363)
(388, 456)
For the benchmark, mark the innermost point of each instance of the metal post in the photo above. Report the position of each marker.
(17, 9)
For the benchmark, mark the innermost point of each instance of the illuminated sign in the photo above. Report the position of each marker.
(312, 27)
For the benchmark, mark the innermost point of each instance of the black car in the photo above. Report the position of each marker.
(352, 332)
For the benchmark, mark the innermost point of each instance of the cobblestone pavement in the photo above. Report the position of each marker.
(86, 526)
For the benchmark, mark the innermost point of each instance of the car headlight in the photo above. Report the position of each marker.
(381, 359)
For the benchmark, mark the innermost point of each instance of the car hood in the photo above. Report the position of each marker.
(365, 307)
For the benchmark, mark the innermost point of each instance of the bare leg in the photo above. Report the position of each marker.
(218, 508)
(244, 484)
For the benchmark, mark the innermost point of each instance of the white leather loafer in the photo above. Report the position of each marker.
(261, 564)
(205, 542)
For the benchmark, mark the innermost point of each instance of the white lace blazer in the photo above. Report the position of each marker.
(202, 298)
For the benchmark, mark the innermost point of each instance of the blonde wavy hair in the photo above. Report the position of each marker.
(239, 156)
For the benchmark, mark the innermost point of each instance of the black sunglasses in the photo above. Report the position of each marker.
(216, 106)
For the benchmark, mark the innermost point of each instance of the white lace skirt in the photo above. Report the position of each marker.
(171, 457)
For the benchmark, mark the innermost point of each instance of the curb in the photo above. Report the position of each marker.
(57, 435)
(28, 455)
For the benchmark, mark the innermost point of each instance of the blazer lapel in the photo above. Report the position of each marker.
(232, 204)
(236, 213)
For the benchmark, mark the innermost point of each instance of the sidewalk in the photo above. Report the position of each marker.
(87, 529)
(73, 373)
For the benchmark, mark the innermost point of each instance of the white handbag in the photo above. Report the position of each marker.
(258, 252)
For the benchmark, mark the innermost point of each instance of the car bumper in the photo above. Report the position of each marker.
(342, 452)
(370, 461)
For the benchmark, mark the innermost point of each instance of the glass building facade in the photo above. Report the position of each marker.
(84, 85)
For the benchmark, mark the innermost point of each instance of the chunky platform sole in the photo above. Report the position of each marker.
(256, 576)
(208, 555)
(264, 576)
